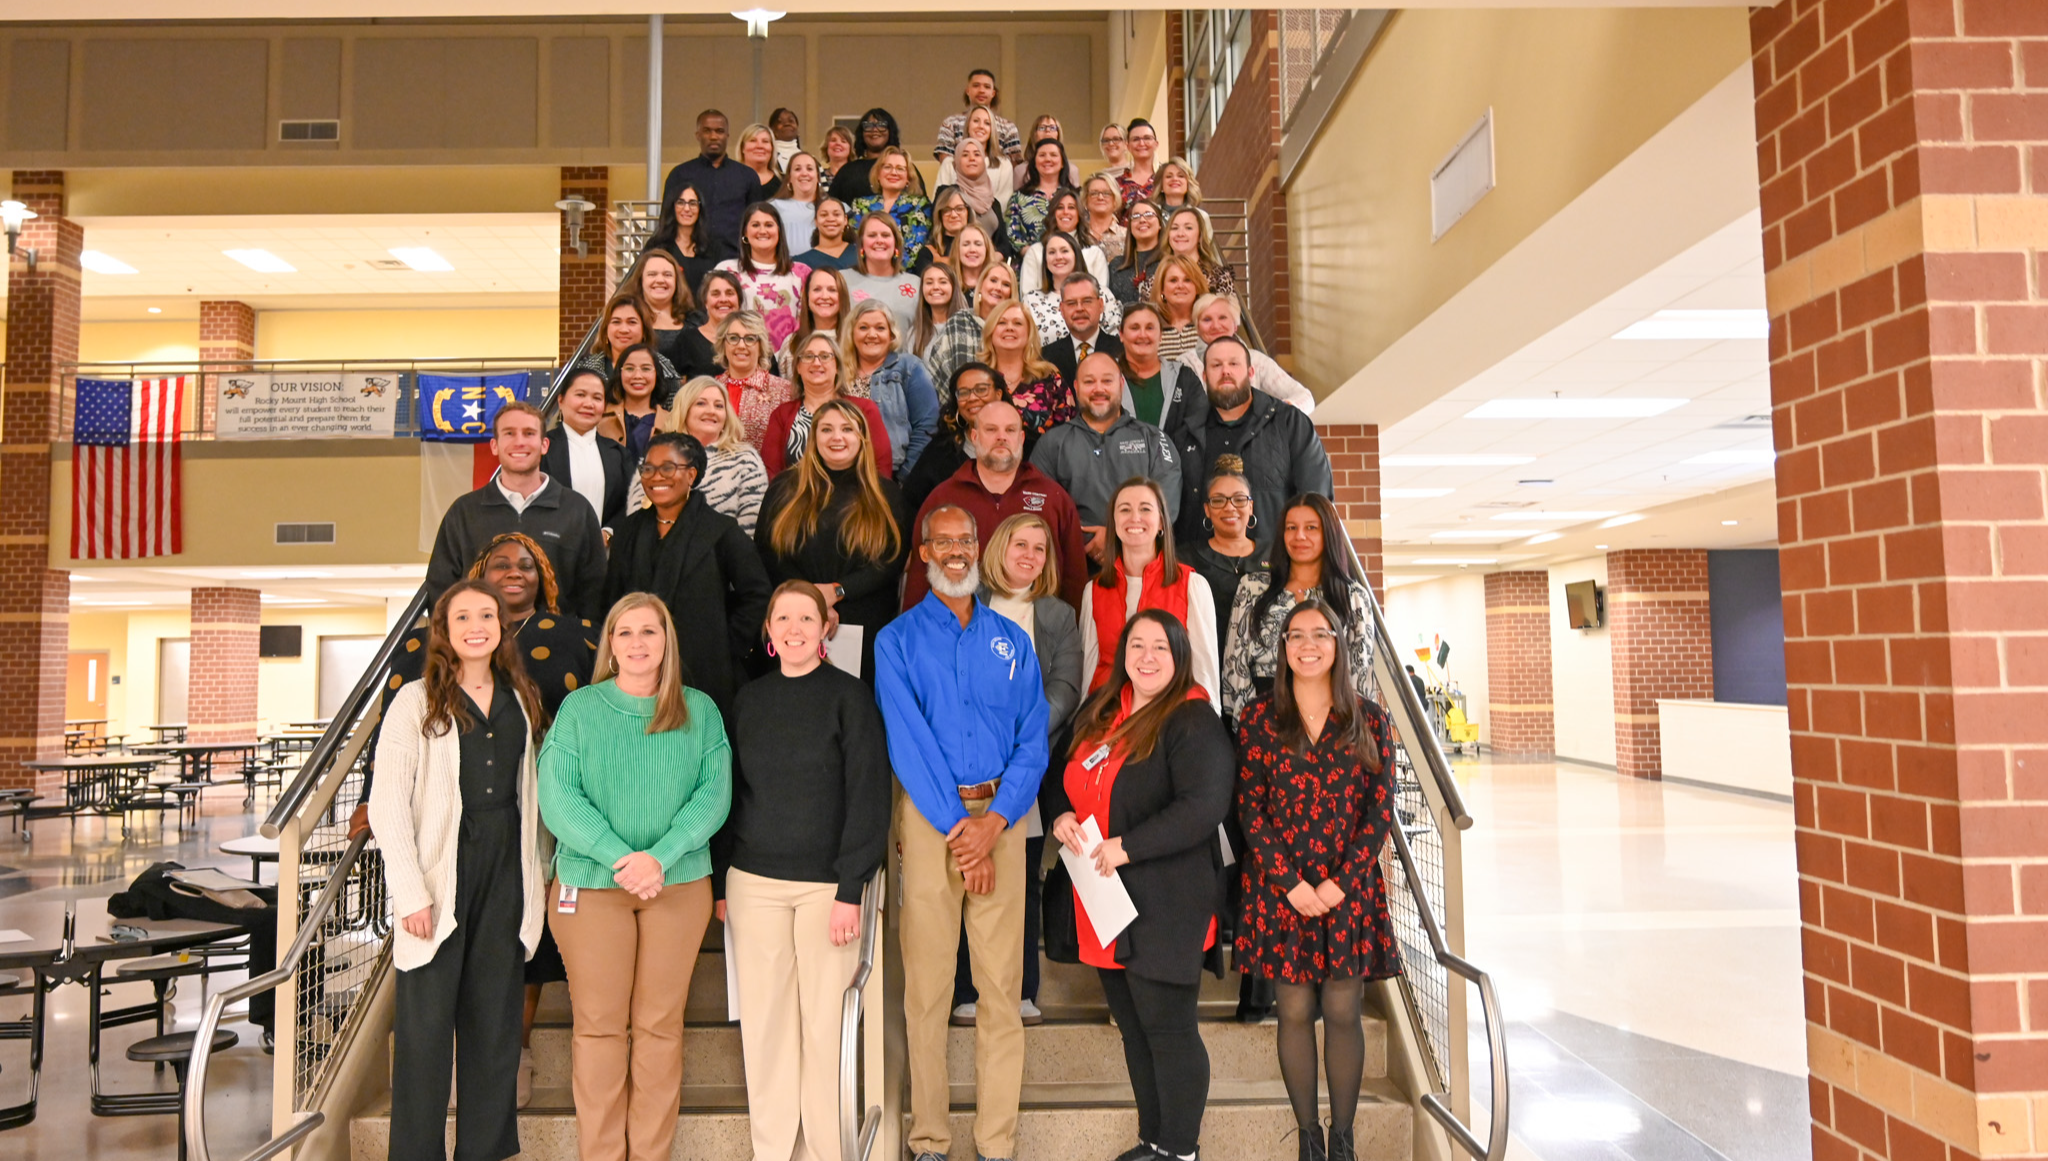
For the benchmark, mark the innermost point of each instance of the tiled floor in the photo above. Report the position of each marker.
(1645, 941)
(85, 863)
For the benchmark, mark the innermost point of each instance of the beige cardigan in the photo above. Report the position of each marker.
(416, 814)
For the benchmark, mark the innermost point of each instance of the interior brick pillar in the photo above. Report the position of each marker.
(585, 282)
(35, 599)
(1903, 149)
(221, 703)
(227, 336)
(1355, 467)
(1174, 136)
(1662, 639)
(1521, 712)
(1242, 160)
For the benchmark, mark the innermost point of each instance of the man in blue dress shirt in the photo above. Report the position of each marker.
(960, 692)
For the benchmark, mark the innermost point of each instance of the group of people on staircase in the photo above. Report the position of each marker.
(784, 592)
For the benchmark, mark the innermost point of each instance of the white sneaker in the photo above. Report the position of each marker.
(1032, 1016)
(963, 1016)
(525, 1077)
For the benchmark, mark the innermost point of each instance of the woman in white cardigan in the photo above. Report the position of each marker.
(455, 808)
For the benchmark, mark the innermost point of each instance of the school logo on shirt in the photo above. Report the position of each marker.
(1034, 501)
(1002, 648)
(1131, 447)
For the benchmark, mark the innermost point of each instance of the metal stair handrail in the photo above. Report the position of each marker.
(287, 965)
(857, 1129)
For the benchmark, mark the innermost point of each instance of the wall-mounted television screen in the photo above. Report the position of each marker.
(1584, 607)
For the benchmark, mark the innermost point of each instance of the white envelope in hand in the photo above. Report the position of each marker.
(1108, 904)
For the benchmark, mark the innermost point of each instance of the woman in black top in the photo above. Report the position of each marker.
(681, 232)
(1151, 766)
(973, 387)
(808, 828)
(1233, 550)
(877, 132)
(831, 519)
(697, 561)
(719, 295)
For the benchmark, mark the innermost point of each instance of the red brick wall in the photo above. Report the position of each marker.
(1242, 160)
(42, 335)
(220, 704)
(1662, 640)
(1355, 467)
(1521, 713)
(227, 334)
(1904, 152)
(585, 282)
(1175, 135)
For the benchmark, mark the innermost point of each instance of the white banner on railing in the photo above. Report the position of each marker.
(306, 405)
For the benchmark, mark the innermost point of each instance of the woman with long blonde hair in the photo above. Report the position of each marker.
(636, 778)
(832, 520)
(1010, 344)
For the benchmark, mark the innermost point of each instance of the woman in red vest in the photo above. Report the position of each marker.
(1147, 575)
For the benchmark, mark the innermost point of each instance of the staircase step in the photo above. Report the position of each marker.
(1246, 1121)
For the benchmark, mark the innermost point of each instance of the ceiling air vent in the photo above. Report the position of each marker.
(386, 264)
(309, 130)
(1463, 177)
(1747, 423)
(305, 533)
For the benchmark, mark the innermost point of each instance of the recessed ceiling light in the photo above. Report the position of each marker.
(1544, 538)
(1453, 460)
(1730, 523)
(1601, 547)
(284, 574)
(262, 261)
(156, 310)
(1541, 514)
(421, 258)
(1457, 560)
(1414, 493)
(111, 604)
(1701, 324)
(100, 263)
(1573, 408)
(1625, 518)
(1472, 534)
(1737, 455)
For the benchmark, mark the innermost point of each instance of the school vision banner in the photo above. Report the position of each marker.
(309, 405)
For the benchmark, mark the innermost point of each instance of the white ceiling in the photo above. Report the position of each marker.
(118, 590)
(179, 260)
(1619, 466)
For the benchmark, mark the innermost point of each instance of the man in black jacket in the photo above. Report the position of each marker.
(523, 499)
(1282, 454)
(727, 186)
(1081, 306)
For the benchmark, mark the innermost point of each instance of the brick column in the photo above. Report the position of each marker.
(227, 335)
(1520, 711)
(1905, 213)
(1662, 640)
(1242, 160)
(221, 703)
(585, 282)
(1174, 135)
(1355, 467)
(35, 599)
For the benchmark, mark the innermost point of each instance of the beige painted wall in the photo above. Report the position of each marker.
(175, 340)
(1453, 608)
(1581, 671)
(288, 688)
(1573, 92)
(511, 333)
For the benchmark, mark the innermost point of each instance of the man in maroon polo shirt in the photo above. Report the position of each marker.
(998, 484)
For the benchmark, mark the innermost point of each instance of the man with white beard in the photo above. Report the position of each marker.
(966, 712)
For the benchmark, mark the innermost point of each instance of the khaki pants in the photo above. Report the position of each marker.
(792, 984)
(629, 964)
(934, 896)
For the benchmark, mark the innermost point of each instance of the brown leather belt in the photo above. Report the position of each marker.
(980, 791)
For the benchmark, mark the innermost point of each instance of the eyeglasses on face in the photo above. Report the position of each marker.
(668, 471)
(952, 543)
(816, 357)
(1240, 503)
(977, 391)
(1308, 636)
(743, 340)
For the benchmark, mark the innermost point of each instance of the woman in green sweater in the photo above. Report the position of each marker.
(635, 778)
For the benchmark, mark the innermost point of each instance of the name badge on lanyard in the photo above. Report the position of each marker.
(565, 903)
(1096, 759)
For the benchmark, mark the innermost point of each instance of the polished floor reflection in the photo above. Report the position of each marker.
(1644, 937)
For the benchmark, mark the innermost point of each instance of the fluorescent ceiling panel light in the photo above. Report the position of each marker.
(1472, 534)
(1414, 493)
(284, 574)
(1453, 460)
(1553, 516)
(112, 604)
(421, 258)
(276, 599)
(1701, 324)
(100, 263)
(1746, 456)
(1456, 560)
(156, 310)
(262, 261)
(1625, 518)
(1573, 408)
(1544, 538)
(1730, 523)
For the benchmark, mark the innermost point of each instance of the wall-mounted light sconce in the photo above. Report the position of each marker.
(573, 209)
(13, 214)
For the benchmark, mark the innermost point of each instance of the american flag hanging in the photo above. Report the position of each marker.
(127, 469)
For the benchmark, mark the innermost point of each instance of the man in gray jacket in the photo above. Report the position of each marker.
(1092, 454)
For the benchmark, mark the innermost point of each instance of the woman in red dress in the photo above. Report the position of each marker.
(1315, 794)
(1151, 767)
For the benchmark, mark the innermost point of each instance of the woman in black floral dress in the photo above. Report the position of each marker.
(1315, 795)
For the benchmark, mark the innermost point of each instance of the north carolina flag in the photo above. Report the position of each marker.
(127, 469)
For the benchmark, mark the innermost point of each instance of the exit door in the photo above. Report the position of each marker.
(85, 686)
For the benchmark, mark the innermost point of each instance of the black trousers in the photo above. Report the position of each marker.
(466, 1001)
(1163, 1049)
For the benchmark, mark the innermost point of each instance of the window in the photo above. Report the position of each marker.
(1214, 43)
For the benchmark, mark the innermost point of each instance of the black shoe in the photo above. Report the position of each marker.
(1342, 1147)
(1138, 1152)
(1312, 1144)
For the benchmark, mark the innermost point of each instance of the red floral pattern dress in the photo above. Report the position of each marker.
(1313, 816)
(1044, 404)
